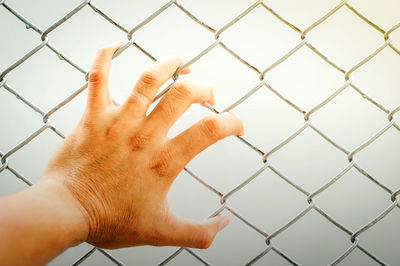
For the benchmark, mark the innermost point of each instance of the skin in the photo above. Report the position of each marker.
(107, 183)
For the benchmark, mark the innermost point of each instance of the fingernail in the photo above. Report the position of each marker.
(223, 222)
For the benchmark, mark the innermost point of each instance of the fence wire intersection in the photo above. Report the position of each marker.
(304, 41)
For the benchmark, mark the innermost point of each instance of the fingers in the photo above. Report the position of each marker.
(202, 134)
(98, 94)
(190, 233)
(149, 83)
(175, 102)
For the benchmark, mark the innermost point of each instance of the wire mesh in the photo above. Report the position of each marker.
(303, 41)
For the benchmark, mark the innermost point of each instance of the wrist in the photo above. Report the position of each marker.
(45, 217)
(64, 210)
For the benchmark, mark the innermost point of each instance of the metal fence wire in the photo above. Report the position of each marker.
(348, 84)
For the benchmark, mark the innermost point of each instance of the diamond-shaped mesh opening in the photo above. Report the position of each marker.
(268, 131)
(383, 237)
(290, 10)
(351, 44)
(158, 43)
(305, 79)
(239, 78)
(266, 188)
(309, 166)
(341, 201)
(318, 235)
(42, 71)
(216, 167)
(378, 78)
(386, 171)
(253, 38)
(348, 126)
(81, 26)
(17, 127)
(16, 39)
(46, 142)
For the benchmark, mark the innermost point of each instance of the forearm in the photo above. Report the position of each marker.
(38, 223)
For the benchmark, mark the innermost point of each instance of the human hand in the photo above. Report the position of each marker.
(118, 164)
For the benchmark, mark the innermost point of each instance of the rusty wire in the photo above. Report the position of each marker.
(348, 83)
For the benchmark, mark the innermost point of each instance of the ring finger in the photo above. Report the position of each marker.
(176, 101)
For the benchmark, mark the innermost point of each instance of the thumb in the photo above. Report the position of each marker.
(196, 234)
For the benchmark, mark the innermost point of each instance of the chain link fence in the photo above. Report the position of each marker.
(354, 243)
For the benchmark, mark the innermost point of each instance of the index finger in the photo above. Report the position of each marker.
(98, 93)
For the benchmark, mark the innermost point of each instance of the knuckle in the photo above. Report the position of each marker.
(183, 91)
(137, 99)
(87, 124)
(113, 132)
(160, 164)
(139, 140)
(96, 76)
(149, 78)
(211, 127)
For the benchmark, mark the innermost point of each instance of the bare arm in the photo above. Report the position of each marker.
(39, 223)
(107, 183)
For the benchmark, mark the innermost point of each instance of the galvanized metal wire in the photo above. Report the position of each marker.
(348, 83)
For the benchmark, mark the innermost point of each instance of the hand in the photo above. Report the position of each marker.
(118, 164)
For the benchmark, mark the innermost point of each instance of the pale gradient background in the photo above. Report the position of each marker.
(306, 79)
